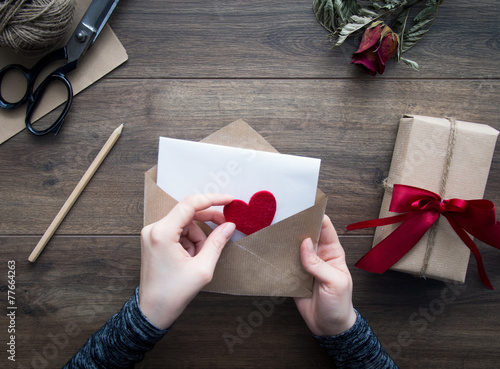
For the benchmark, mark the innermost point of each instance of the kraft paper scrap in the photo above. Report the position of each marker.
(266, 263)
(418, 160)
(105, 55)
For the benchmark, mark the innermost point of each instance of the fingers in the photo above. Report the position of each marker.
(192, 238)
(313, 264)
(328, 234)
(329, 247)
(172, 225)
(210, 215)
(183, 213)
(330, 257)
(214, 244)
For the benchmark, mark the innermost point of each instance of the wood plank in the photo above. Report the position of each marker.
(282, 39)
(78, 283)
(338, 121)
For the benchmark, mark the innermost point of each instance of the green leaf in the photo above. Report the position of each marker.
(411, 63)
(364, 12)
(427, 12)
(422, 23)
(400, 23)
(351, 7)
(418, 27)
(334, 14)
(355, 23)
(323, 9)
(389, 4)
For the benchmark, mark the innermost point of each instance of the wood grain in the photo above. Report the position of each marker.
(350, 125)
(193, 68)
(282, 39)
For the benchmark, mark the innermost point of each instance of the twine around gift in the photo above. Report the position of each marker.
(452, 138)
(419, 211)
(450, 149)
(32, 27)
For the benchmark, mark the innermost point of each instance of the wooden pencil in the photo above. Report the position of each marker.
(76, 193)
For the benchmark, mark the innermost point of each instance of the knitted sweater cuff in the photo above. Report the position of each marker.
(357, 347)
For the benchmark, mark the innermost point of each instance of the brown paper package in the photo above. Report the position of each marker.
(418, 160)
(266, 263)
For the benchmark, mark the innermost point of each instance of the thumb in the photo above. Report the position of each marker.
(313, 264)
(215, 242)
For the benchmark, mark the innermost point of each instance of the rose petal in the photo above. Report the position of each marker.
(388, 46)
(370, 38)
(369, 60)
(381, 64)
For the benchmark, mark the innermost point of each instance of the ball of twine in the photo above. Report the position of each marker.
(31, 27)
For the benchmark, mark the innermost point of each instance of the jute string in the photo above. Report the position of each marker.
(442, 191)
(32, 27)
(452, 137)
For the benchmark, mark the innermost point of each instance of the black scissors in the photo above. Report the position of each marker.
(84, 36)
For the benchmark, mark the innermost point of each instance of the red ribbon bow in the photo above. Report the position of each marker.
(421, 208)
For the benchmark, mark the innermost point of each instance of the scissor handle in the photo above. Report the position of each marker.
(31, 75)
(37, 97)
(4, 104)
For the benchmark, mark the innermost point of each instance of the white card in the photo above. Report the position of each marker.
(187, 167)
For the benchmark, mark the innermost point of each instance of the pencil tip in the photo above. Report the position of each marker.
(120, 128)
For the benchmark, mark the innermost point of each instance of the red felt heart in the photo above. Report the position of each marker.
(252, 217)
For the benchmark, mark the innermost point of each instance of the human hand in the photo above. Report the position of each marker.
(178, 259)
(329, 311)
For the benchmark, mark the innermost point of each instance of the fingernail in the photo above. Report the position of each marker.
(228, 230)
(310, 246)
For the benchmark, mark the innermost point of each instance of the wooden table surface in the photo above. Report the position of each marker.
(194, 67)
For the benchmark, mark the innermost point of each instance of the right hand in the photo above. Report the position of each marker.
(329, 311)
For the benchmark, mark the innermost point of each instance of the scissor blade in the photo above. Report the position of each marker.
(97, 15)
(89, 28)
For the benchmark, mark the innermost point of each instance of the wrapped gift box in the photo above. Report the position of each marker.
(428, 150)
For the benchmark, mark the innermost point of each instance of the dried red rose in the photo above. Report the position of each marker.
(378, 45)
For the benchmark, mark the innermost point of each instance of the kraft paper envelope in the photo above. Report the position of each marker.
(105, 55)
(266, 263)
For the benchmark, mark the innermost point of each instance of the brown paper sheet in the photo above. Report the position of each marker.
(266, 263)
(105, 55)
(418, 160)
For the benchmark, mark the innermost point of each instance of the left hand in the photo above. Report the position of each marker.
(178, 259)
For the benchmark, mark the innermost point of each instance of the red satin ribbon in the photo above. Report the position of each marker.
(420, 209)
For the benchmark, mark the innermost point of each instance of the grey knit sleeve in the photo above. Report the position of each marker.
(357, 348)
(121, 342)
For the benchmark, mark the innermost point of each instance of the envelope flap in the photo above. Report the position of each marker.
(157, 203)
(239, 134)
